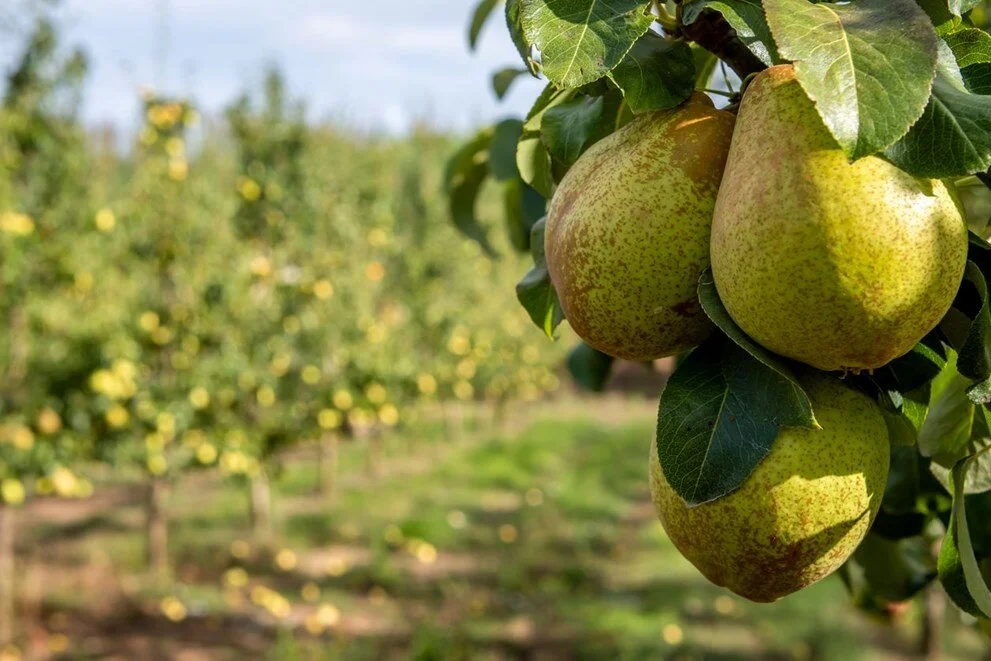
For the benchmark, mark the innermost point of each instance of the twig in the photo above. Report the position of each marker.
(711, 31)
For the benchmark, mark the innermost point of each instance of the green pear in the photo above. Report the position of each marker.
(627, 233)
(844, 266)
(801, 513)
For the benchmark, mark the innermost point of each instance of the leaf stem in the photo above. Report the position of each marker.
(728, 95)
(664, 17)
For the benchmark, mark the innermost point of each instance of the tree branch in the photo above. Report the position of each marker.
(711, 31)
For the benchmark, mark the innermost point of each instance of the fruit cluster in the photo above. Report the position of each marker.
(840, 267)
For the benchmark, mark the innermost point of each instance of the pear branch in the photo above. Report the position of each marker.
(711, 31)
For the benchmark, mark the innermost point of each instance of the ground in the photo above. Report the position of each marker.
(535, 542)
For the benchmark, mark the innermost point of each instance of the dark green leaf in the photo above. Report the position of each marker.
(482, 12)
(938, 11)
(719, 415)
(895, 570)
(716, 311)
(524, 207)
(868, 65)
(958, 568)
(657, 73)
(582, 40)
(744, 16)
(568, 128)
(532, 158)
(911, 371)
(953, 137)
(972, 50)
(466, 172)
(535, 291)
(901, 431)
(974, 360)
(512, 202)
(502, 153)
(503, 79)
(589, 367)
(514, 22)
(904, 481)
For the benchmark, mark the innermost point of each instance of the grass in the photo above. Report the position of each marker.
(541, 543)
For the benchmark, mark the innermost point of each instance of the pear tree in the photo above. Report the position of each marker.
(790, 196)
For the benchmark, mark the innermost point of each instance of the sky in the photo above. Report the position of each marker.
(374, 65)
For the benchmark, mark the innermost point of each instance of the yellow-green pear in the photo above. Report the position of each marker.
(627, 233)
(801, 513)
(844, 266)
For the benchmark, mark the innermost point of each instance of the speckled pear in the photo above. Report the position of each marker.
(627, 231)
(844, 266)
(801, 513)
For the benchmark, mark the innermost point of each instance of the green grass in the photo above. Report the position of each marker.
(546, 544)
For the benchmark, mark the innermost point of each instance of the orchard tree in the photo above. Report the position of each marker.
(50, 340)
(814, 249)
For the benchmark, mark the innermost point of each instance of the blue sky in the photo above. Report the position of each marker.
(371, 64)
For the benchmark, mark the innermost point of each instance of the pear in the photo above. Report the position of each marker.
(627, 233)
(844, 266)
(801, 513)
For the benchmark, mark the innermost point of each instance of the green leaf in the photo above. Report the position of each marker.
(502, 152)
(466, 172)
(535, 291)
(568, 128)
(961, 7)
(514, 22)
(718, 417)
(705, 64)
(895, 570)
(582, 40)
(904, 481)
(482, 12)
(911, 371)
(524, 207)
(953, 137)
(657, 73)
(503, 79)
(939, 13)
(959, 571)
(972, 50)
(744, 16)
(974, 361)
(970, 46)
(532, 158)
(946, 430)
(589, 367)
(978, 478)
(717, 313)
(512, 202)
(867, 65)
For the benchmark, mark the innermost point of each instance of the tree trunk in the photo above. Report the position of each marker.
(6, 575)
(261, 507)
(455, 419)
(329, 446)
(158, 528)
(375, 452)
(933, 614)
